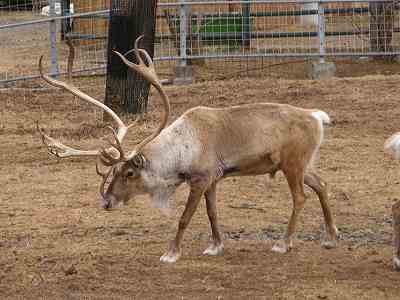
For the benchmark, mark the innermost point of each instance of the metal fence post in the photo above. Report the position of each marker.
(183, 27)
(321, 32)
(183, 71)
(322, 69)
(53, 38)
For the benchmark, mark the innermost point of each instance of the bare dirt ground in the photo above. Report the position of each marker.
(56, 242)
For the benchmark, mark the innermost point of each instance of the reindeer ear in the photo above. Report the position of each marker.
(138, 161)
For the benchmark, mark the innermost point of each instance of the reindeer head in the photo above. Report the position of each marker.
(127, 171)
(125, 176)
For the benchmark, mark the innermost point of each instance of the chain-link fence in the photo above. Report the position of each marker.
(190, 31)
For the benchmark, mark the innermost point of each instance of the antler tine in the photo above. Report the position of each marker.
(105, 157)
(135, 50)
(99, 172)
(148, 58)
(147, 71)
(117, 144)
(58, 149)
(104, 180)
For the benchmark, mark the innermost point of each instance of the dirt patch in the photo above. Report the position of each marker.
(57, 243)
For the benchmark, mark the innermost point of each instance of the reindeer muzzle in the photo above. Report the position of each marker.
(107, 201)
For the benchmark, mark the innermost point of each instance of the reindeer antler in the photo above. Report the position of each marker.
(107, 159)
(149, 73)
(104, 180)
(57, 148)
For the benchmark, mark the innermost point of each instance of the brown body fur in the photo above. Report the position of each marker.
(253, 139)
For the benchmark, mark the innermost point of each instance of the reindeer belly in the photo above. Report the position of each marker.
(256, 165)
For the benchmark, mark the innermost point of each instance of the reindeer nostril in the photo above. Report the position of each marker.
(107, 205)
(107, 202)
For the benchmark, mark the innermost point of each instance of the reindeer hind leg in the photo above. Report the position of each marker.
(312, 180)
(295, 179)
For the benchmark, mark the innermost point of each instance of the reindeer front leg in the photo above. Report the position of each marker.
(216, 247)
(198, 185)
(396, 235)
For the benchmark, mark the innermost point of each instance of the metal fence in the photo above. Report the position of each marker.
(202, 30)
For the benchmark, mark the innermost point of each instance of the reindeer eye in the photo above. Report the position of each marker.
(129, 173)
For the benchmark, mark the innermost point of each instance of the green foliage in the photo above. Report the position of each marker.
(17, 4)
(222, 25)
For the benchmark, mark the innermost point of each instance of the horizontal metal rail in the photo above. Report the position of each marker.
(277, 55)
(31, 77)
(288, 13)
(3, 81)
(277, 2)
(47, 20)
(80, 36)
(237, 36)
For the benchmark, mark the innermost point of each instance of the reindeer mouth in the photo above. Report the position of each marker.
(110, 202)
(107, 202)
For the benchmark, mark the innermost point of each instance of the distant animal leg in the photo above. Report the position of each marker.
(396, 235)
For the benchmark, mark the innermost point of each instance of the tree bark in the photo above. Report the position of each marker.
(126, 90)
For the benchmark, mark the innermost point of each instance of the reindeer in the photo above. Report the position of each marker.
(392, 147)
(204, 146)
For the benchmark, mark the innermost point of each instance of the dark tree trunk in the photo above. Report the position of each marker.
(125, 89)
(65, 23)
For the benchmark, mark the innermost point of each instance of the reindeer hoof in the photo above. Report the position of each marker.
(214, 250)
(170, 257)
(282, 247)
(396, 263)
(329, 241)
(328, 244)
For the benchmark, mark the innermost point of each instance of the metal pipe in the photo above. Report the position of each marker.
(53, 39)
(265, 2)
(279, 55)
(46, 20)
(321, 33)
(183, 28)
(4, 81)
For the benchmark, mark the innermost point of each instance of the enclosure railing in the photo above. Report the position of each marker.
(285, 28)
(190, 30)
